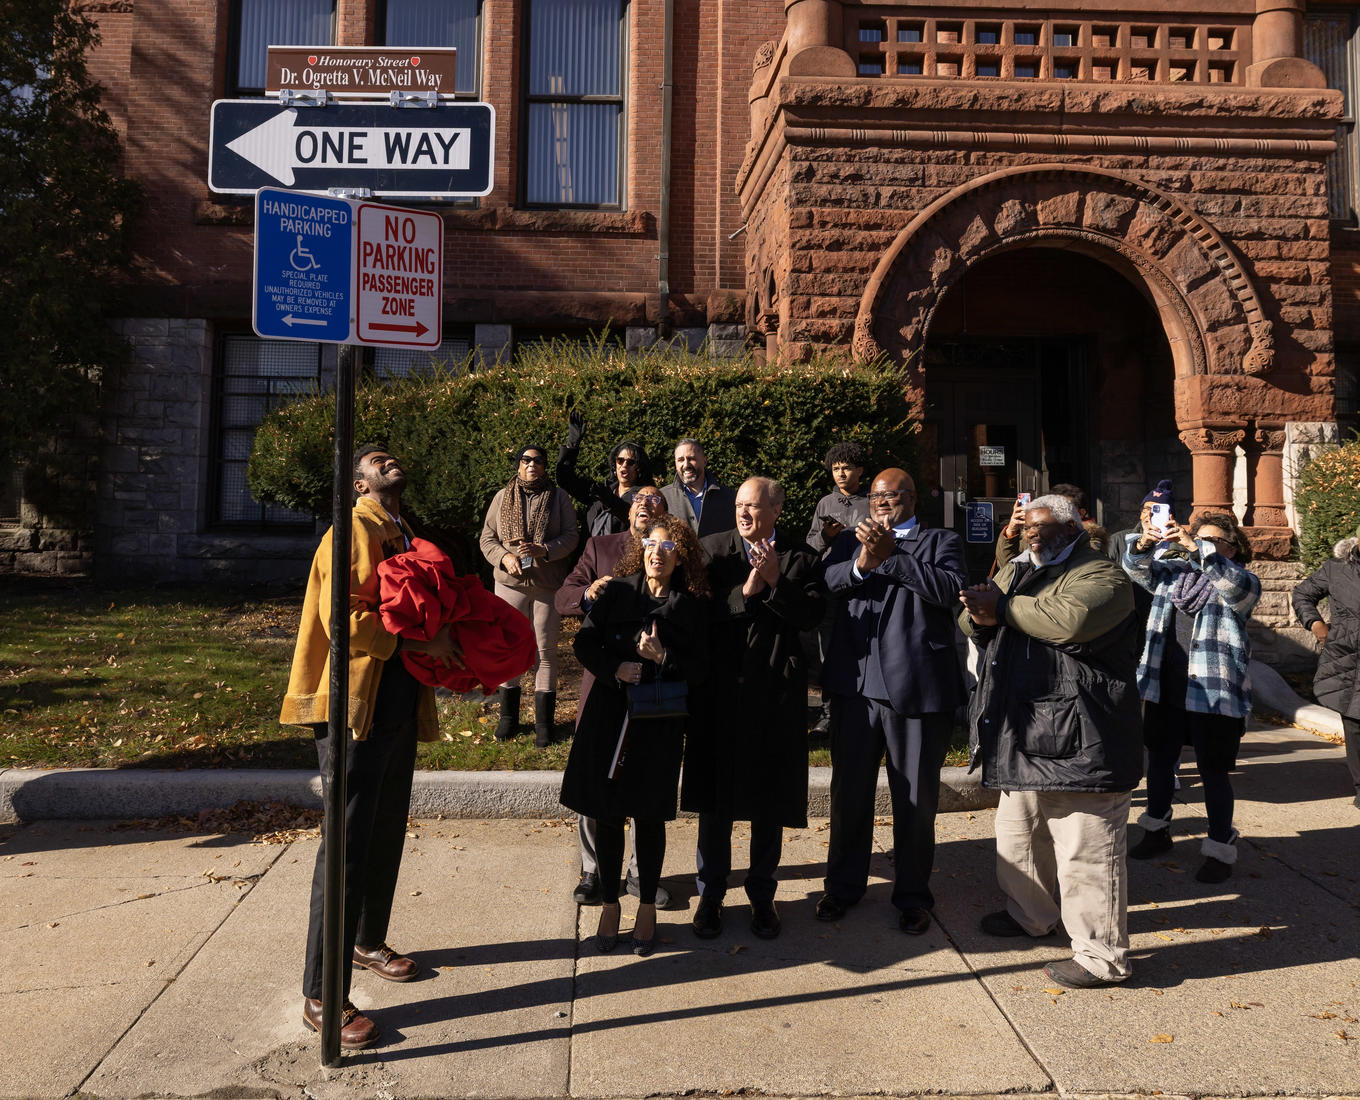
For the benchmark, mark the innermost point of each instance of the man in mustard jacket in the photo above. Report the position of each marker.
(388, 712)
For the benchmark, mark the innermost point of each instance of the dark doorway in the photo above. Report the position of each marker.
(1003, 417)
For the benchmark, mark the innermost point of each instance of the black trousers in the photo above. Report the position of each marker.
(1215, 737)
(714, 857)
(916, 748)
(649, 846)
(1351, 729)
(378, 773)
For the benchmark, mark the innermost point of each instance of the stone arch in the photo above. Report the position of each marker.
(1211, 312)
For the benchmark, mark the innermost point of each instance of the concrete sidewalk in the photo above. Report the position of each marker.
(162, 964)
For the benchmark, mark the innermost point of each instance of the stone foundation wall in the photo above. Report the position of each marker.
(55, 533)
(1276, 636)
(155, 457)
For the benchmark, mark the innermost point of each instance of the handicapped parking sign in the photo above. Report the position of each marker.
(979, 521)
(304, 266)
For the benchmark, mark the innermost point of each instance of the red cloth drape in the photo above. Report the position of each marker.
(421, 592)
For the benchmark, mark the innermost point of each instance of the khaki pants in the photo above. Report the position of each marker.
(1050, 841)
(538, 609)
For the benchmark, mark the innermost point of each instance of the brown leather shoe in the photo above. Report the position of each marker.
(356, 1030)
(386, 963)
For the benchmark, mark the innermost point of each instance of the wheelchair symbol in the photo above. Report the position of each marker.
(302, 259)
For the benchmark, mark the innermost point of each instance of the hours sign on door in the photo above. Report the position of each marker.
(398, 276)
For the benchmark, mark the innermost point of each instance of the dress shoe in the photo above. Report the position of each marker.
(1001, 923)
(1155, 842)
(587, 891)
(832, 908)
(356, 1030)
(605, 942)
(1072, 975)
(708, 918)
(914, 921)
(643, 948)
(386, 963)
(1213, 870)
(765, 921)
(663, 896)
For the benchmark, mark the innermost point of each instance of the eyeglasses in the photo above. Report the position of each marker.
(652, 499)
(662, 544)
(625, 462)
(892, 497)
(531, 460)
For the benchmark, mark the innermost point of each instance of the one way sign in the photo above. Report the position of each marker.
(443, 151)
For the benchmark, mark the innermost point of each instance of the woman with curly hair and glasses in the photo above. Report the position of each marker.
(1193, 674)
(529, 534)
(648, 625)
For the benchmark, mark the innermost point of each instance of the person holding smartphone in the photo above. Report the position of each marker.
(528, 536)
(1193, 673)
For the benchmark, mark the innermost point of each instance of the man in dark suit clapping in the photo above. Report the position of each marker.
(893, 673)
(746, 756)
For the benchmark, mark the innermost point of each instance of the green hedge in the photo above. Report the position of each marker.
(1327, 501)
(457, 430)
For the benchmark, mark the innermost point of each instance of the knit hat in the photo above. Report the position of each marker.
(1162, 495)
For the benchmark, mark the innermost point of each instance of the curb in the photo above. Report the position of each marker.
(1273, 691)
(65, 794)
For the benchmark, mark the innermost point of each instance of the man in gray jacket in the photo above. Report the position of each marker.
(1055, 727)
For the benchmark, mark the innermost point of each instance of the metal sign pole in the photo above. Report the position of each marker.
(333, 941)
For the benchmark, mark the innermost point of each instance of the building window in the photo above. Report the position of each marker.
(252, 377)
(574, 109)
(258, 24)
(1329, 43)
(451, 355)
(1348, 387)
(438, 23)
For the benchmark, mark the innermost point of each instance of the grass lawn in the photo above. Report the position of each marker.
(93, 676)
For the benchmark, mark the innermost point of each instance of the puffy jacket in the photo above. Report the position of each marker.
(1337, 581)
(1056, 706)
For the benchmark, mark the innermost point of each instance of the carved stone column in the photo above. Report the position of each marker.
(1277, 48)
(1267, 520)
(1212, 456)
(814, 39)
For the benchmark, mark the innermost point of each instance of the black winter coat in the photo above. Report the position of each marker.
(747, 754)
(1058, 716)
(1337, 581)
(646, 785)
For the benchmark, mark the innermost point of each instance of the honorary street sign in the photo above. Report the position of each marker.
(444, 151)
(304, 249)
(350, 71)
(400, 286)
(345, 271)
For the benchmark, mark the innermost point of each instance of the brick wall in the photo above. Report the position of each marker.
(163, 64)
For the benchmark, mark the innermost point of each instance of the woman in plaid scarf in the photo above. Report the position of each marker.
(1193, 675)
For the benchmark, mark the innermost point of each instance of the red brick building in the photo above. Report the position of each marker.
(1116, 240)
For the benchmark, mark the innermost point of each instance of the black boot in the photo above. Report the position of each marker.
(508, 726)
(545, 702)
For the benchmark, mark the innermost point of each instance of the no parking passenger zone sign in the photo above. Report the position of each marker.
(347, 271)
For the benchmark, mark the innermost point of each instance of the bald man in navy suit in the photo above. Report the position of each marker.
(893, 674)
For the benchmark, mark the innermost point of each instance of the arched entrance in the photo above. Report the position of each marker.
(1044, 366)
(1038, 228)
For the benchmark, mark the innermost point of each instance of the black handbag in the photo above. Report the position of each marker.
(658, 699)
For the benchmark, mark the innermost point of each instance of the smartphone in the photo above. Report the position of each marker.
(1159, 517)
(1024, 498)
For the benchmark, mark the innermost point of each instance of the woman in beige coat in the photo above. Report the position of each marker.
(529, 534)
